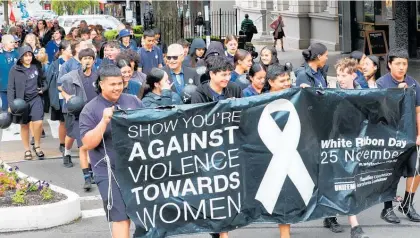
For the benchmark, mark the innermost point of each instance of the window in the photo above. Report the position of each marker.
(418, 15)
(369, 15)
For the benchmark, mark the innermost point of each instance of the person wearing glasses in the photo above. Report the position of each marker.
(179, 75)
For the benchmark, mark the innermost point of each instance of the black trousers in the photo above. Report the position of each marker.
(249, 36)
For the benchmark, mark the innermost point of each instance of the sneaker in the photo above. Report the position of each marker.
(67, 161)
(88, 184)
(410, 212)
(357, 232)
(333, 225)
(389, 216)
(61, 148)
(214, 235)
(92, 179)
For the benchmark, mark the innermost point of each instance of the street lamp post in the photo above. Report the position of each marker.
(207, 21)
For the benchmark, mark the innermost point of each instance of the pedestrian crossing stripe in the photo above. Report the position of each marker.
(13, 132)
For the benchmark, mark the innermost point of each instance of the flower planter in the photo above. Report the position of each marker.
(42, 216)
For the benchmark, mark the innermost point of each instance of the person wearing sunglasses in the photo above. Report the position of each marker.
(179, 75)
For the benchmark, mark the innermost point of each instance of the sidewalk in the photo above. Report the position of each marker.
(295, 57)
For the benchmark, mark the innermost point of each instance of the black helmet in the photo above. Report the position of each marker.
(18, 107)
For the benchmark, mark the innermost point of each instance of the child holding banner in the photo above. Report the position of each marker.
(218, 88)
(346, 79)
(95, 131)
(398, 78)
(278, 79)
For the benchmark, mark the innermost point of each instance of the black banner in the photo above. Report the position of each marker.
(288, 157)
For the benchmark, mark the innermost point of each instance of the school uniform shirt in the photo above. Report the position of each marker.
(7, 60)
(166, 98)
(387, 81)
(133, 88)
(31, 84)
(249, 91)
(67, 67)
(205, 94)
(361, 80)
(90, 117)
(230, 58)
(51, 49)
(150, 59)
(239, 79)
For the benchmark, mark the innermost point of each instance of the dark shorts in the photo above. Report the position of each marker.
(57, 115)
(411, 169)
(34, 112)
(72, 128)
(4, 103)
(118, 210)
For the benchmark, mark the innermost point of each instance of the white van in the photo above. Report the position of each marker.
(108, 22)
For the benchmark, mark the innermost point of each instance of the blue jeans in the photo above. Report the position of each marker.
(4, 103)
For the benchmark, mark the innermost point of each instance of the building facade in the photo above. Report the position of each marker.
(340, 25)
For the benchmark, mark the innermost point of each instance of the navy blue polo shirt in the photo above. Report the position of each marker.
(31, 84)
(150, 59)
(90, 117)
(319, 79)
(387, 81)
(249, 91)
(216, 96)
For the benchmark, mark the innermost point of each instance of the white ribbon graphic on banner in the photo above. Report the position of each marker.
(286, 160)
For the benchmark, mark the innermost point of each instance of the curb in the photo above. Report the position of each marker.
(41, 216)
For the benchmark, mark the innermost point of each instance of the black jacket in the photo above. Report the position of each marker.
(203, 93)
(304, 75)
(190, 76)
(17, 77)
(52, 76)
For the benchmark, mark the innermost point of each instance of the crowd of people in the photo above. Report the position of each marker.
(54, 72)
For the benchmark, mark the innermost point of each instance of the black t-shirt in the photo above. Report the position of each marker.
(31, 85)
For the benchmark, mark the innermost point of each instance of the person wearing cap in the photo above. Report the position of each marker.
(27, 82)
(150, 55)
(80, 83)
(398, 78)
(125, 40)
(96, 134)
(54, 44)
(360, 57)
(371, 70)
(8, 57)
(313, 72)
(179, 75)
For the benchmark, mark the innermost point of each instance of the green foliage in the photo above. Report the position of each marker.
(19, 197)
(138, 36)
(33, 187)
(46, 194)
(111, 34)
(138, 29)
(212, 38)
(72, 7)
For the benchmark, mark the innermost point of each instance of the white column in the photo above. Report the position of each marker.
(332, 7)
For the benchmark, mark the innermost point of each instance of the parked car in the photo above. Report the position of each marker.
(108, 22)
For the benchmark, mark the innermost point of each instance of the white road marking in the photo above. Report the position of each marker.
(11, 134)
(91, 198)
(54, 128)
(93, 213)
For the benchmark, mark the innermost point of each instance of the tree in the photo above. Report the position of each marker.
(72, 7)
(166, 18)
